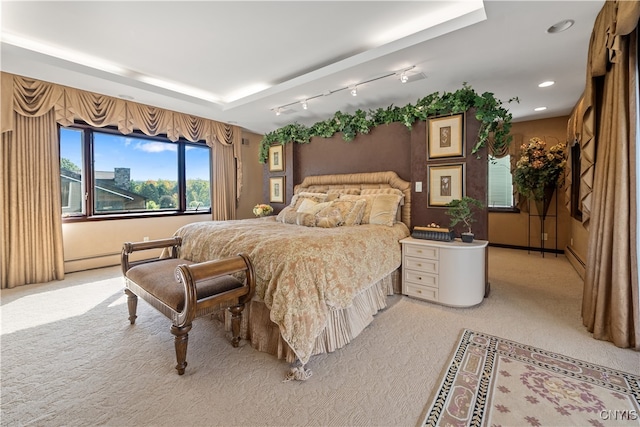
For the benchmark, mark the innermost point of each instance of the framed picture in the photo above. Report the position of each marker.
(446, 183)
(276, 158)
(276, 189)
(445, 137)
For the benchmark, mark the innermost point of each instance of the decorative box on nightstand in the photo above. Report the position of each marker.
(450, 273)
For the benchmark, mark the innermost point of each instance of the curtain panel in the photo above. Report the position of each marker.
(608, 138)
(50, 103)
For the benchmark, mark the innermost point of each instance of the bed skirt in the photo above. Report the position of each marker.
(343, 325)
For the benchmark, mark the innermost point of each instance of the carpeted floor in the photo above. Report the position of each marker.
(69, 356)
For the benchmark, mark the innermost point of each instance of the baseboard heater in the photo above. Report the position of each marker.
(87, 258)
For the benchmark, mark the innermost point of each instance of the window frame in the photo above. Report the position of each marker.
(500, 209)
(88, 198)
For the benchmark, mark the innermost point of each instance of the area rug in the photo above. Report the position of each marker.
(492, 381)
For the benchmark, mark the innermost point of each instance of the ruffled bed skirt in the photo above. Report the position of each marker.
(343, 325)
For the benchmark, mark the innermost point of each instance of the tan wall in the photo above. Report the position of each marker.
(252, 178)
(522, 229)
(94, 244)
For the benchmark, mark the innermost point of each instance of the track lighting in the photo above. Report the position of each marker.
(404, 78)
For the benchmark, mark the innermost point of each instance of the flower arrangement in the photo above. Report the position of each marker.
(262, 210)
(538, 168)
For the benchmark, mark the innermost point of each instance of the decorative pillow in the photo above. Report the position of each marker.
(378, 207)
(368, 202)
(297, 199)
(311, 206)
(289, 213)
(331, 219)
(384, 209)
(306, 219)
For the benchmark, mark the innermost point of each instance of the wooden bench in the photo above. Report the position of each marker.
(183, 290)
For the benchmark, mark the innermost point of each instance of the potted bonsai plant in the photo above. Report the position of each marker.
(461, 211)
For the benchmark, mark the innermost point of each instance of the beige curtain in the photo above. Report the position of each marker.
(25, 98)
(31, 222)
(610, 300)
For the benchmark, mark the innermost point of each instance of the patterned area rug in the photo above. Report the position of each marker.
(495, 382)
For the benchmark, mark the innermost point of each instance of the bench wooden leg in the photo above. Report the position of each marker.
(132, 303)
(181, 341)
(236, 319)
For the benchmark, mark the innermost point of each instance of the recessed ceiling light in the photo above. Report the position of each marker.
(561, 26)
(128, 97)
(540, 109)
(547, 83)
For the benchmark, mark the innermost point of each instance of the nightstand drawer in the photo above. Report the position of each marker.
(421, 264)
(419, 278)
(422, 292)
(420, 251)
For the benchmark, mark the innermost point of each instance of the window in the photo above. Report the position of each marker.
(131, 174)
(500, 182)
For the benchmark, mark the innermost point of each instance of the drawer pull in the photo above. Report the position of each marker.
(419, 291)
(419, 265)
(419, 278)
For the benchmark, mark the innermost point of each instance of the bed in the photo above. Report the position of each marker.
(324, 265)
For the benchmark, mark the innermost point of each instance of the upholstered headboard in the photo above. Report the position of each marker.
(389, 179)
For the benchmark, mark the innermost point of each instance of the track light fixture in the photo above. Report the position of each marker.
(404, 78)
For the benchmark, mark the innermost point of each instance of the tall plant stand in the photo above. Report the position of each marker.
(542, 208)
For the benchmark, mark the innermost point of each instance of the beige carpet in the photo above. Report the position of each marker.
(69, 356)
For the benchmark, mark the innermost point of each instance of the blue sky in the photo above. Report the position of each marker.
(145, 158)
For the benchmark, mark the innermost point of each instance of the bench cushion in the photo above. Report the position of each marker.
(158, 278)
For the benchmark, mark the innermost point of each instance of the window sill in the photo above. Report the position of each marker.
(504, 210)
(121, 216)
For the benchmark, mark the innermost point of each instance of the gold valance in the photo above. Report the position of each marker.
(33, 98)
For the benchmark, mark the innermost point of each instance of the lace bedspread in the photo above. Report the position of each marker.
(301, 272)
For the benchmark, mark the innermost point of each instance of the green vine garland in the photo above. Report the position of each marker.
(495, 120)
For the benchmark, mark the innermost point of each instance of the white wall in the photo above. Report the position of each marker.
(93, 244)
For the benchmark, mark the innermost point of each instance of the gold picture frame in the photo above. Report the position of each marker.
(445, 137)
(276, 158)
(276, 189)
(446, 183)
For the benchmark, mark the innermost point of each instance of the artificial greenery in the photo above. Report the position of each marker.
(495, 120)
(461, 210)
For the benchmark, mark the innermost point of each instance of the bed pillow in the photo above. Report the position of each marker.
(328, 219)
(306, 219)
(306, 213)
(381, 208)
(311, 206)
(351, 211)
(288, 215)
(384, 209)
(335, 193)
